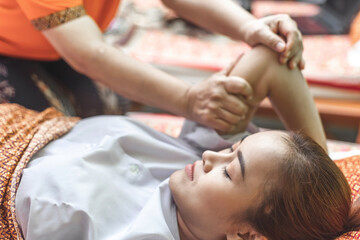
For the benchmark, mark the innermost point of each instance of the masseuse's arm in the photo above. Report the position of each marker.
(278, 32)
(212, 102)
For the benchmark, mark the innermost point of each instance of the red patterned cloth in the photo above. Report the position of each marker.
(22, 133)
(351, 168)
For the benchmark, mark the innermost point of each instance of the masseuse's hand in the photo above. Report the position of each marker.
(280, 33)
(217, 102)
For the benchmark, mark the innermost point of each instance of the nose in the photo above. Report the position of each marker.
(209, 160)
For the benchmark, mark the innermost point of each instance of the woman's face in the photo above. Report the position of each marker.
(224, 184)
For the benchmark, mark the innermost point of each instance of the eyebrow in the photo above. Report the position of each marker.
(242, 163)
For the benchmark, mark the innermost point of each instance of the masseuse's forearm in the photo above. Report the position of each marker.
(224, 16)
(136, 80)
(81, 44)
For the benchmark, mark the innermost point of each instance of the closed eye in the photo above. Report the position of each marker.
(231, 149)
(226, 174)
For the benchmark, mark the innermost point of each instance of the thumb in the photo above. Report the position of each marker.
(239, 86)
(272, 40)
(227, 70)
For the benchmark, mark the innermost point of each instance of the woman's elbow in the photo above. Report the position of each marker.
(171, 3)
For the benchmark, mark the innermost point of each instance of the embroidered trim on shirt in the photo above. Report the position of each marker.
(58, 18)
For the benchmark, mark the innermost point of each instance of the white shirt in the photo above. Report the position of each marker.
(106, 179)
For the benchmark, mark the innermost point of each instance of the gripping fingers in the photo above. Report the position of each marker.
(236, 105)
(226, 115)
(222, 126)
(227, 122)
(294, 62)
(229, 117)
(238, 86)
(296, 48)
(284, 57)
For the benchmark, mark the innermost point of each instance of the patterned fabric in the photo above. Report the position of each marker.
(22, 133)
(58, 18)
(351, 168)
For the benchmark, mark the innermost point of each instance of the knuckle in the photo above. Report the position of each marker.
(243, 110)
(211, 108)
(216, 95)
(284, 16)
(240, 110)
(206, 118)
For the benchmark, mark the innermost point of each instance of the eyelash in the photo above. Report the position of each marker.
(226, 174)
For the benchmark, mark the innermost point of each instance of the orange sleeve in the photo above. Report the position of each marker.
(34, 9)
(355, 29)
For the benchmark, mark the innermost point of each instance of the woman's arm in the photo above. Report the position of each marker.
(287, 90)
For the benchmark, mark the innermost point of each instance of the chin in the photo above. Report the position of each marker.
(177, 185)
(176, 178)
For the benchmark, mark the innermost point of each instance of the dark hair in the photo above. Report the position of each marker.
(310, 199)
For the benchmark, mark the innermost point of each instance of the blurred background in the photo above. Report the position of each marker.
(331, 33)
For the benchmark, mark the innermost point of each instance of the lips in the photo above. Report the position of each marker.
(189, 170)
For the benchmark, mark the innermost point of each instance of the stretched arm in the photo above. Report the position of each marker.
(286, 89)
(278, 32)
(81, 44)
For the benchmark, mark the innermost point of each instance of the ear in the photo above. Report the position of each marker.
(247, 236)
(246, 233)
(257, 236)
(233, 236)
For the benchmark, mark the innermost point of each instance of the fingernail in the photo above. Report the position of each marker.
(280, 46)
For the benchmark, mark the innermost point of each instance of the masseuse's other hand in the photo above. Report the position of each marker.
(218, 101)
(280, 33)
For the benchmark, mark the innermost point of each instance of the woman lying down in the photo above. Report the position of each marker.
(110, 177)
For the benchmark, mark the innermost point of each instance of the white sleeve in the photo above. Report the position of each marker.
(204, 138)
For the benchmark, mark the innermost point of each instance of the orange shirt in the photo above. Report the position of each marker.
(18, 19)
(355, 29)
